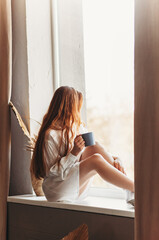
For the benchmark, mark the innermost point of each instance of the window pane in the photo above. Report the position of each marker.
(109, 74)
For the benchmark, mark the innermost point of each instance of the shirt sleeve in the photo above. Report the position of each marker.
(58, 165)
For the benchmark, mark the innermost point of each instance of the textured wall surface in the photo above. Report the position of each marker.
(39, 50)
(32, 81)
(71, 49)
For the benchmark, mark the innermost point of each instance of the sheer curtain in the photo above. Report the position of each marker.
(147, 119)
(5, 89)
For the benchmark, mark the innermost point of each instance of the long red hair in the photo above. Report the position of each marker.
(63, 114)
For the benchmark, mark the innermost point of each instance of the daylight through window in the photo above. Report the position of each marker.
(109, 75)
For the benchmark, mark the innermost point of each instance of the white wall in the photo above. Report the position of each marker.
(71, 50)
(39, 16)
(39, 47)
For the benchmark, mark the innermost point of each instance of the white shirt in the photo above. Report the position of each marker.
(62, 172)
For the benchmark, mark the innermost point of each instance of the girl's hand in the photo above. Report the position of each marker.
(79, 144)
(118, 165)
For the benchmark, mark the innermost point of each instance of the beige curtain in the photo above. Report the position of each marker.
(147, 119)
(5, 89)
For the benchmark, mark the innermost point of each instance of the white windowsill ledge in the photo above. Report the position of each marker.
(101, 205)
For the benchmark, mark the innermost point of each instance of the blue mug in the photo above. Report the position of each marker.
(88, 138)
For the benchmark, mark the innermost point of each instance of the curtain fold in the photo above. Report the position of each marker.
(147, 119)
(5, 91)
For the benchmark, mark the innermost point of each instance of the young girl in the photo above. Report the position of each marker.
(60, 155)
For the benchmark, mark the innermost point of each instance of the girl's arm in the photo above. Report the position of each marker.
(57, 164)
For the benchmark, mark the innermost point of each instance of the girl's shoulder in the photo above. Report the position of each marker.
(52, 134)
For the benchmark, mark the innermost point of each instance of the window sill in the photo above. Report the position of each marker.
(99, 205)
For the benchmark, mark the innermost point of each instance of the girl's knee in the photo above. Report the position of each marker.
(96, 158)
(98, 161)
(99, 146)
(97, 155)
(92, 162)
(95, 148)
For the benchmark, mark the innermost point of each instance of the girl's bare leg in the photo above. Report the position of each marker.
(96, 164)
(97, 148)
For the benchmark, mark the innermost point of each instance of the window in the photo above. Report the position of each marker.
(109, 76)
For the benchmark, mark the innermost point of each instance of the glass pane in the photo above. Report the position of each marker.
(109, 75)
